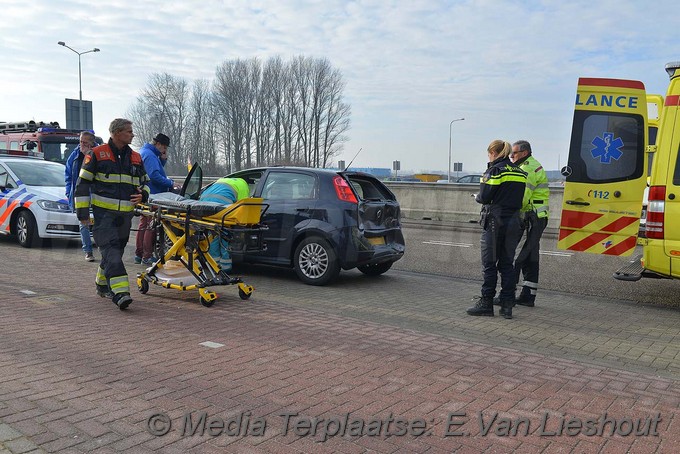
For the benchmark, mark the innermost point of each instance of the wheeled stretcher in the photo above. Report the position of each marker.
(185, 229)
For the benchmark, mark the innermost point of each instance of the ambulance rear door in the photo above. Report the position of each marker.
(606, 169)
(668, 151)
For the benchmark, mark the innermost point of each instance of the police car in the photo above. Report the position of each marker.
(33, 205)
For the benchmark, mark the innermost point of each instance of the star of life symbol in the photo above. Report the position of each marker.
(607, 148)
(607, 244)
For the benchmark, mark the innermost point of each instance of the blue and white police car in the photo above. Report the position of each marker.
(33, 205)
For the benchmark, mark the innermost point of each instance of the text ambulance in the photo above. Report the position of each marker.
(606, 175)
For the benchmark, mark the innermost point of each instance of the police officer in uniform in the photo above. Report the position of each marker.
(112, 181)
(535, 212)
(501, 192)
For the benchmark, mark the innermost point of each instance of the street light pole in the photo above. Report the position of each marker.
(448, 179)
(80, 79)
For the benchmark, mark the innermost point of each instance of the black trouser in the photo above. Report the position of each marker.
(527, 261)
(499, 240)
(111, 232)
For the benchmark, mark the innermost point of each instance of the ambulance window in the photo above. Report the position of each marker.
(611, 147)
(14, 145)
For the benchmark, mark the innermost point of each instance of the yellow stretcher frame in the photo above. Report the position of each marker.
(191, 234)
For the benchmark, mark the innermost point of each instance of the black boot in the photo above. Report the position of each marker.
(483, 306)
(525, 298)
(122, 300)
(506, 309)
(104, 291)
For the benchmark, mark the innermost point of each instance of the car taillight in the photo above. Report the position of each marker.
(656, 207)
(343, 190)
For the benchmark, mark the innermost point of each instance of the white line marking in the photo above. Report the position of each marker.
(557, 254)
(211, 344)
(28, 292)
(446, 243)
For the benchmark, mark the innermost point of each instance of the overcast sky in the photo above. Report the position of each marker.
(510, 68)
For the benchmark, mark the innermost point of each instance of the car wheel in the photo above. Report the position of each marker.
(315, 261)
(26, 230)
(376, 269)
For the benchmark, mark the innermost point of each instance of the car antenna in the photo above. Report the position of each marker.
(355, 156)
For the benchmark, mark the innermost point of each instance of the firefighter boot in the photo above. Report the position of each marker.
(506, 309)
(483, 306)
(104, 291)
(525, 298)
(122, 300)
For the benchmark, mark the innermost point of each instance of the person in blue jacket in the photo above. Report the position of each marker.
(73, 165)
(154, 156)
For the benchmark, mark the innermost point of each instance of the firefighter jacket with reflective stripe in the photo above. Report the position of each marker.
(537, 193)
(108, 178)
(502, 188)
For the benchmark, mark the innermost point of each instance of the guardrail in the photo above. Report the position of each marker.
(445, 202)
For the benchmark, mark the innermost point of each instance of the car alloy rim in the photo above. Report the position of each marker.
(313, 260)
(22, 229)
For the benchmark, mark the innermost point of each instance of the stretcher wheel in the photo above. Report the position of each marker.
(143, 286)
(206, 302)
(245, 290)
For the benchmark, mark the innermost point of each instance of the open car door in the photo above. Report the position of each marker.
(606, 170)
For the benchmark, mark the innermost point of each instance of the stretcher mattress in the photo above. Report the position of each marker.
(176, 202)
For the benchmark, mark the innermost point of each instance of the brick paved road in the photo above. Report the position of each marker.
(78, 375)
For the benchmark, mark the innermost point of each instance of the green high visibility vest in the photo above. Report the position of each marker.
(536, 193)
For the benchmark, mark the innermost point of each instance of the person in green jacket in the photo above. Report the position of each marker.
(535, 212)
(226, 191)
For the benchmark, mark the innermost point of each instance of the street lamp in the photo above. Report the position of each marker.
(80, 83)
(451, 124)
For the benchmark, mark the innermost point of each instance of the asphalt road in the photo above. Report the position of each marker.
(456, 253)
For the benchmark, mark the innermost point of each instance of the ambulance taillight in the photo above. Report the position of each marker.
(655, 212)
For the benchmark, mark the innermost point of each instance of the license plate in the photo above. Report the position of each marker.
(377, 240)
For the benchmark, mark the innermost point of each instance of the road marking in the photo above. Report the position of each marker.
(557, 254)
(446, 243)
(211, 344)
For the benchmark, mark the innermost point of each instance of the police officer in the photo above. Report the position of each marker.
(112, 181)
(500, 192)
(535, 212)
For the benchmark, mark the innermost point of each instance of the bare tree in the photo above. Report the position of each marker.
(277, 113)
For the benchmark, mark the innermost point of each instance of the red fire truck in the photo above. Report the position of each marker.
(55, 143)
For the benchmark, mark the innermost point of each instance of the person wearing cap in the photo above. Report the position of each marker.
(226, 191)
(154, 156)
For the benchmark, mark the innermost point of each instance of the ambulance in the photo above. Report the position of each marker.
(612, 159)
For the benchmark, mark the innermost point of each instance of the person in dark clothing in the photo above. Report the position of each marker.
(500, 193)
(73, 165)
(112, 181)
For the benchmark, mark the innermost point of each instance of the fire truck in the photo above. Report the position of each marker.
(613, 158)
(55, 143)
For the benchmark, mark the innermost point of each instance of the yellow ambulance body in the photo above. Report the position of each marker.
(612, 148)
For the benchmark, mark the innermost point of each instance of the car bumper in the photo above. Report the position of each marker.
(58, 225)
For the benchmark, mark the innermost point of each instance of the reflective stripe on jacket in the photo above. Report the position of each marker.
(108, 178)
(537, 193)
(502, 187)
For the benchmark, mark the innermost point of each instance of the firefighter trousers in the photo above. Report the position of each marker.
(498, 243)
(527, 260)
(111, 232)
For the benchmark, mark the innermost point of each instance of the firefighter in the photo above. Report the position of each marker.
(535, 212)
(500, 193)
(112, 181)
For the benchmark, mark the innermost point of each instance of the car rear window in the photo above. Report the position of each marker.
(369, 188)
